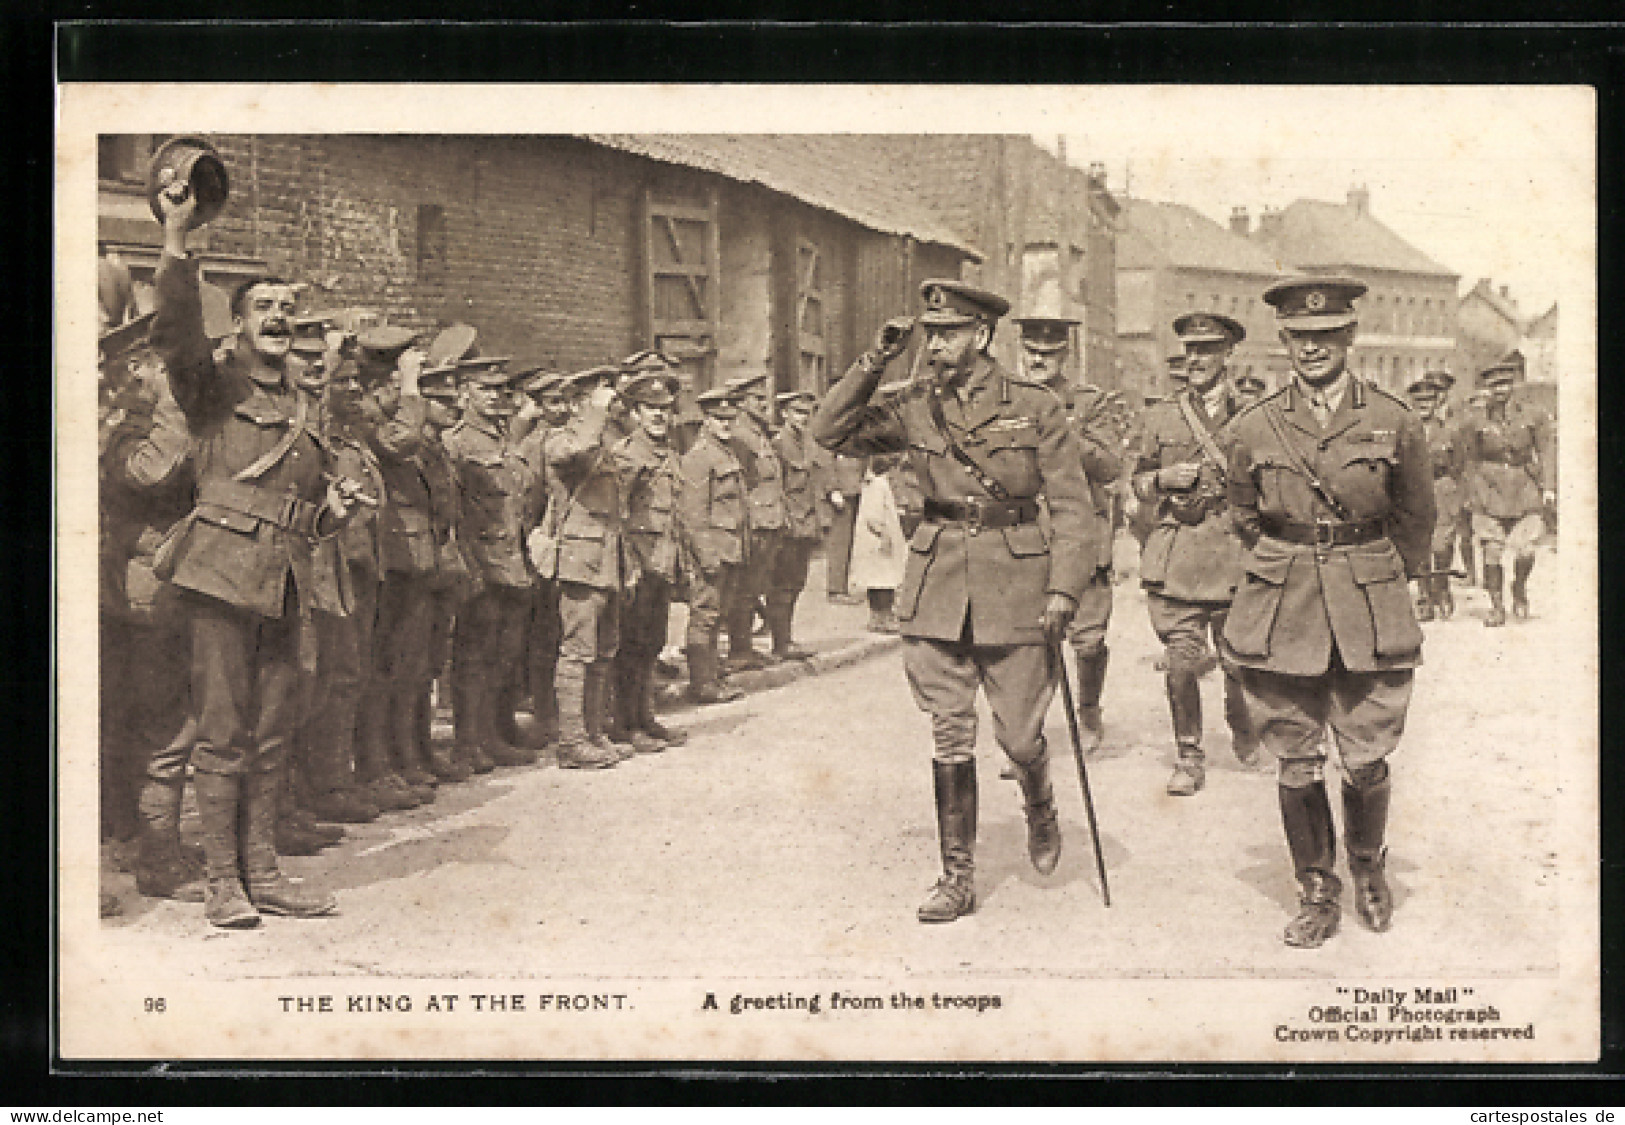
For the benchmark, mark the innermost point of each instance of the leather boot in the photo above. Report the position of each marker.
(1492, 582)
(646, 709)
(954, 896)
(226, 905)
(597, 703)
(1185, 704)
(576, 750)
(703, 687)
(1243, 738)
(1306, 814)
(405, 753)
(160, 871)
(1521, 569)
(1091, 679)
(1365, 820)
(268, 888)
(1043, 826)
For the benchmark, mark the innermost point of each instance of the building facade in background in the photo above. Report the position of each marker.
(1490, 324)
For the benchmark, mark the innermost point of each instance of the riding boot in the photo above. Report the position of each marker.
(1306, 814)
(1185, 703)
(1091, 679)
(1365, 820)
(646, 707)
(1043, 826)
(268, 888)
(1493, 577)
(1243, 738)
(576, 750)
(954, 896)
(1521, 567)
(703, 687)
(160, 870)
(226, 906)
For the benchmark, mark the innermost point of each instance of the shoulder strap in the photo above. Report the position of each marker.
(1273, 413)
(1210, 448)
(268, 459)
(983, 477)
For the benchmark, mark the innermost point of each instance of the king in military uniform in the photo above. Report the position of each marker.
(1192, 557)
(1332, 491)
(986, 596)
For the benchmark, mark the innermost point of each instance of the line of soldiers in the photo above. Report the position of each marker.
(321, 520)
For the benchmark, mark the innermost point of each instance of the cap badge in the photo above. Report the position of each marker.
(936, 297)
(1315, 301)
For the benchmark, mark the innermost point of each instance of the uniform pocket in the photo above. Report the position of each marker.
(922, 549)
(1026, 541)
(1381, 577)
(240, 522)
(1257, 603)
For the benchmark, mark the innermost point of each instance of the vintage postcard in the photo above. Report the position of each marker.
(523, 594)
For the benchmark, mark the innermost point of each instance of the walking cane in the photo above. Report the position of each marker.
(1083, 771)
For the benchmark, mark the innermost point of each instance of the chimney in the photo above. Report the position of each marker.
(1269, 223)
(1240, 222)
(1360, 200)
(1097, 173)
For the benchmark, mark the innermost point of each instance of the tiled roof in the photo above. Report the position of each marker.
(1317, 235)
(845, 174)
(1172, 234)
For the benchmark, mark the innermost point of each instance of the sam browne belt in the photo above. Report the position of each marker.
(1322, 533)
(982, 513)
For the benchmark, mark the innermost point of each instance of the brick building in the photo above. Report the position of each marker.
(1172, 259)
(1408, 317)
(1490, 324)
(735, 253)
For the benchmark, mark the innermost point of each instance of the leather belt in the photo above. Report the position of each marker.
(982, 513)
(1323, 533)
(280, 508)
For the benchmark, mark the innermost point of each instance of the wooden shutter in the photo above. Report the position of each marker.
(681, 285)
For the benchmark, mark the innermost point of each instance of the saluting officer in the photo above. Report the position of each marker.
(1192, 558)
(764, 485)
(713, 523)
(650, 479)
(1332, 490)
(1511, 478)
(582, 549)
(985, 598)
(489, 636)
(1046, 344)
(243, 561)
(807, 516)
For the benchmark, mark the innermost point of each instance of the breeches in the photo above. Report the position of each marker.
(1364, 710)
(245, 681)
(789, 576)
(1087, 632)
(1185, 628)
(708, 595)
(643, 624)
(1498, 536)
(590, 619)
(1017, 680)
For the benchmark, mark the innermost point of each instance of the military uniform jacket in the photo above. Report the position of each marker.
(244, 540)
(1296, 601)
(1102, 464)
(998, 577)
(807, 514)
(1192, 553)
(1445, 460)
(493, 479)
(650, 480)
(146, 488)
(586, 514)
(359, 542)
(1507, 459)
(764, 474)
(532, 447)
(711, 510)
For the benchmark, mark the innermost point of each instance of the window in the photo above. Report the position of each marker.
(810, 317)
(432, 243)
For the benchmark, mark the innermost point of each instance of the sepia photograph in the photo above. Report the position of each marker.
(1049, 574)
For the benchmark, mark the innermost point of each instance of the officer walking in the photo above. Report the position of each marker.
(650, 479)
(1433, 587)
(243, 561)
(1046, 344)
(713, 523)
(1511, 479)
(1191, 558)
(985, 598)
(1332, 489)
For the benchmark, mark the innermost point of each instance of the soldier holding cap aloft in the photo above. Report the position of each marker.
(580, 546)
(489, 638)
(243, 561)
(1046, 344)
(1511, 478)
(807, 516)
(985, 598)
(1332, 489)
(1191, 557)
(713, 521)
